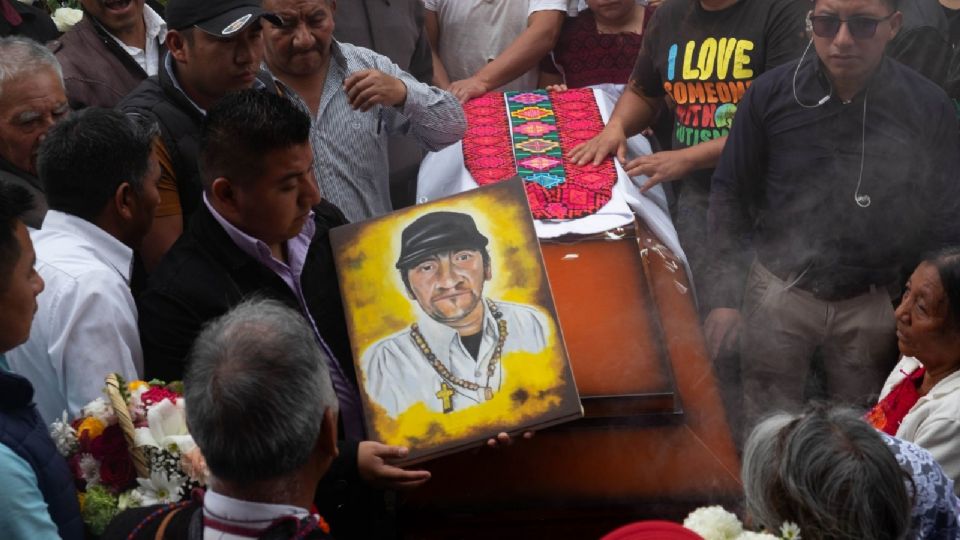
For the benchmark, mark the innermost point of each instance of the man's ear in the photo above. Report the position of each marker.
(124, 200)
(177, 45)
(896, 22)
(221, 191)
(327, 441)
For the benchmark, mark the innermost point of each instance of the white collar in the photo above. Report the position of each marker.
(436, 333)
(248, 514)
(154, 26)
(105, 246)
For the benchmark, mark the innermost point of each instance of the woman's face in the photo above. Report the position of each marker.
(924, 329)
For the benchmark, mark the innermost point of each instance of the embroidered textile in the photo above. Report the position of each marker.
(528, 134)
(887, 415)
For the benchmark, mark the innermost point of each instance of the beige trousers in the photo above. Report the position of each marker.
(784, 327)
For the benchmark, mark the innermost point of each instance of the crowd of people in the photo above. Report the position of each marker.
(170, 173)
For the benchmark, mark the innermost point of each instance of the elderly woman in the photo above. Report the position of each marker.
(836, 477)
(920, 401)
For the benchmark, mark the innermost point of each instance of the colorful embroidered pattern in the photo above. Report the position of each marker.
(527, 134)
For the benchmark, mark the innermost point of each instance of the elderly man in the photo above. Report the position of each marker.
(840, 169)
(264, 356)
(214, 47)
(32, 99)
(100, 209)
(449, 359)
(263, 230)
(356, 97)
(116, 45)
(38, 496)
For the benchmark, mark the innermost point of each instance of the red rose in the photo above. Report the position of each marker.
(116, 467)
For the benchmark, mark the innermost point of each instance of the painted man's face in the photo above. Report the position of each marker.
(449, 285)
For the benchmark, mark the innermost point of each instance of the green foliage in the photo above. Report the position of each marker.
(99, 508)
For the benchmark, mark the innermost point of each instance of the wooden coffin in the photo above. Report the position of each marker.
(654, 442)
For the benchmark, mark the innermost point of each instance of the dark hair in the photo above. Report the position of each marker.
(256, 389)
(406, 268)
(242, 128)
(86, 157)
(829, 472)
(15, 201)
(947, 263)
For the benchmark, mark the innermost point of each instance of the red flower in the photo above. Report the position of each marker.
(116, 467)
(158, 394)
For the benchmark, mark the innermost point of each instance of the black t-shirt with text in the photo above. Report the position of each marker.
(705, 60)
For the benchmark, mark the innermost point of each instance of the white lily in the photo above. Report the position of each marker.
(166, 429)
(64, 436)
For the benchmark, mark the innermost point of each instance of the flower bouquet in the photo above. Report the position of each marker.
(132, 449)
(715, 523)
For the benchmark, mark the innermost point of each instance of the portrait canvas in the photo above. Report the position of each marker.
(452, 324)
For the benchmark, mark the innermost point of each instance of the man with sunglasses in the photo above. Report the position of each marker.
(840, 169)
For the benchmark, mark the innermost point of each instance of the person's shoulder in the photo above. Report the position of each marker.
(358, 57)
(144, 98)
(385, 349)
(921, 89)
(521, 311)
(547, 5)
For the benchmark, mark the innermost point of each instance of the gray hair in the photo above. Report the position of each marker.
(256, 390)
(829, 472)
(20, 55)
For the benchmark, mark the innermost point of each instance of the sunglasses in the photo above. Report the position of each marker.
(827, 26)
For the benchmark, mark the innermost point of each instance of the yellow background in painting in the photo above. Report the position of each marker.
(378, 307)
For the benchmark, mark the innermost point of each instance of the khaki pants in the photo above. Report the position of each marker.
(784, 327)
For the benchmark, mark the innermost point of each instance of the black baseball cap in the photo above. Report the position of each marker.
(436, 232)
(222, 18)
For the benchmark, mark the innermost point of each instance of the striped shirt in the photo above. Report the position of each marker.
(350, 146)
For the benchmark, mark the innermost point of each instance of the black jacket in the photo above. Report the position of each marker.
(205, 274)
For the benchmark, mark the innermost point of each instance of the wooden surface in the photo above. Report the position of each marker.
(655, 442)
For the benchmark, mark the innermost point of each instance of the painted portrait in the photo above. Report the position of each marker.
(452, 323)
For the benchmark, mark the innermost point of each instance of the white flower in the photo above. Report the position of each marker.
(714, 523)
(160, 488)
(167, 429)
(65, 18)
(90, 469)
(790, 531)
(101, 410)
(137, 408)
(130, 499)
(64, 436)
(756, 536)
(27, 2)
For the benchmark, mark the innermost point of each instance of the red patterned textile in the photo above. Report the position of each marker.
(588, 57)
(890, 411)
(489, 154)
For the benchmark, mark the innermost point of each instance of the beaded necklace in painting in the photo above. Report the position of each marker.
(446, 374)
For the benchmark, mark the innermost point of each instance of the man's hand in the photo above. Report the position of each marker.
(556, 88)
(373, 460)
(610, 140)
(664, 166)
(722, 330)
(504, 439)
(467, 89)
(370, 87)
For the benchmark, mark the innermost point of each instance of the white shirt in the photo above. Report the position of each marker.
(241, 516)
(156, 33)
(474, 32)
(933, 423)
(86, 322)
(398, 374)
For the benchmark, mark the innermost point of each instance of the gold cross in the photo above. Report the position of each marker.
(446, 395)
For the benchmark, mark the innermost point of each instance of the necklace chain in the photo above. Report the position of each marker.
(450, 377)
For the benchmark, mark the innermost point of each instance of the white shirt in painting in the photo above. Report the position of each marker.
(399, 375)
(86, 322)
(474, 32)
